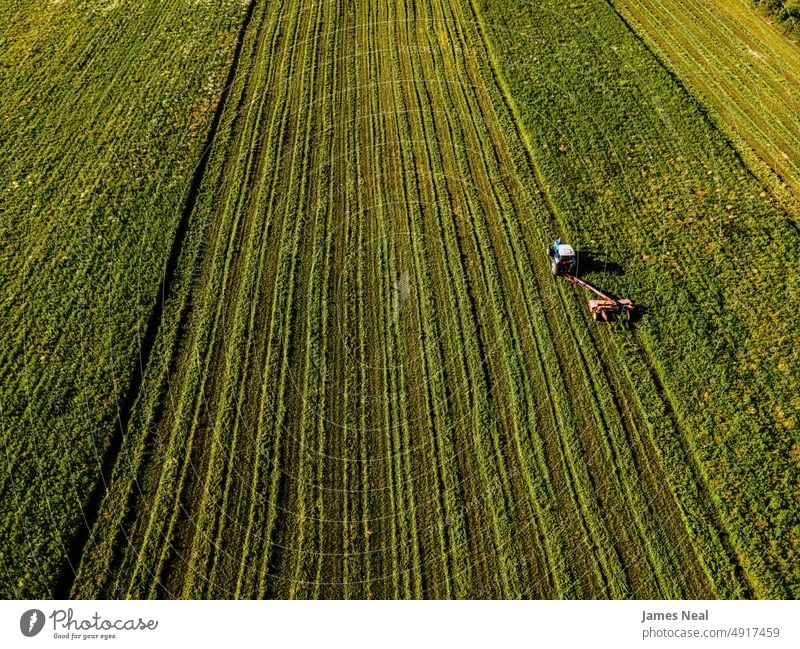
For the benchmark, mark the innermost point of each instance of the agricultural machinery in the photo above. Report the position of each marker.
(564, 262)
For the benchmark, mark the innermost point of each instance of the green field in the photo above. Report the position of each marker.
(279, 320)
(745, 70)
(106, 108)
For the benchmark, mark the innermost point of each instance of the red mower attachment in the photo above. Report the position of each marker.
(606, 307)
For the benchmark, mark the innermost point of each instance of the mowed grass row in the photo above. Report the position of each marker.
(633, 169)
(745, 69)
(365, 382)
(106, 110)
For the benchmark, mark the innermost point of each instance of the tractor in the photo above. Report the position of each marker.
(563, 260)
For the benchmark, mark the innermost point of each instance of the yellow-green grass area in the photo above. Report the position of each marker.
(106, 108)
(633, 168)
(366, 382)
(744, 68)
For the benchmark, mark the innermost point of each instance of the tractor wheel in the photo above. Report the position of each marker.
(554, 267)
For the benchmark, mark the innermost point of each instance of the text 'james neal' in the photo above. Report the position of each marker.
(648, 616)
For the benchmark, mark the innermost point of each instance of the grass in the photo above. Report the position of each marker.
(458, 449)
(744, 69)
(303, 431)
(100, 134)
(640, 171)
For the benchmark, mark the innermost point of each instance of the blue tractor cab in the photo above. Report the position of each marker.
(563, 259)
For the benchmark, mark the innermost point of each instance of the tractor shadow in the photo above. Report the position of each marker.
(639, 312)
(592, 262)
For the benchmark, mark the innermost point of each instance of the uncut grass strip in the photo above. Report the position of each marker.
(151, 18)
(698, 515)
(651, 470)
(102, 32)
(742, 583)
(560, 424)
(82, 146)
(653, 533)
(44, 580)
